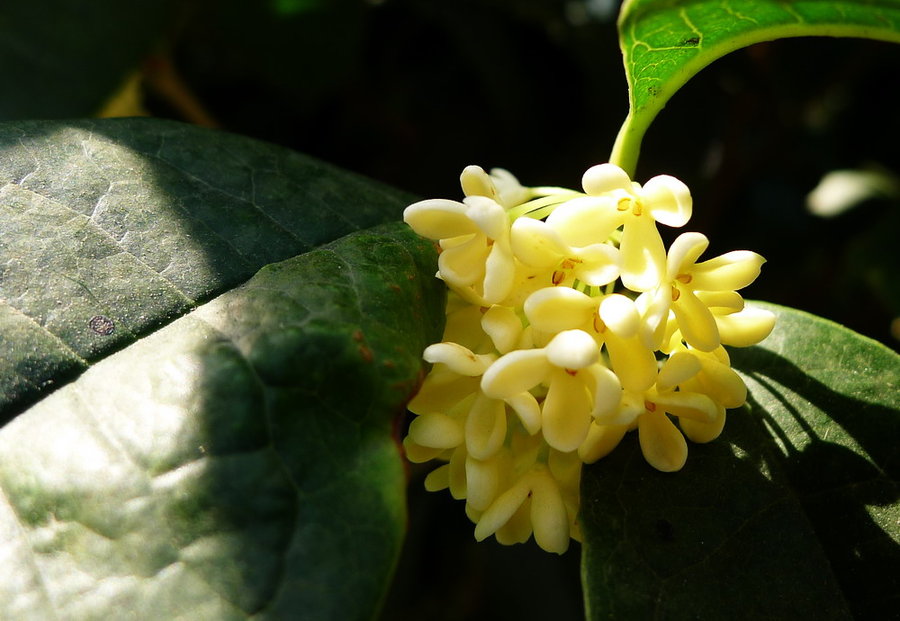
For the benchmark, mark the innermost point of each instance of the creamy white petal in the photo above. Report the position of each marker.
(442, 390)
(728, 272)
(572, 349)
(599, 264)
(490, 217)
(702, 432)
(500, 273)
(502, 509)
(605, 178)
(683, 253)
(696, 322)
(585, 221)
(721, 302)
(438, 479)
(517, 528)
(528, 410)
(662, 444)
(633, 362)
(600, 441)
(653, 307)
(549, 517)
(606, 391)
(668, 200)
(482, 482)
(746, 328)
(515, 372)
(620, 315)
(504, 327)
(567, 411)
(458, 359)
(485, 428)
(476, 182)
(437, 218)
(680, 367)
(554, 309)
(720, 382)
(534, 243)
(510, 192)
(631, 406)
(457, 473)
(691, 405)
(463, 265)
(436, 431)
(418, 454)
(643, 256)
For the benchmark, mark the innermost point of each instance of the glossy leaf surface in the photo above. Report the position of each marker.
(237, 461)
(666, 42)
(113, 228)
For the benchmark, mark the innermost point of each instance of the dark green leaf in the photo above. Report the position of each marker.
(666, 42)
(109, 229)
(64, 58)
(238, 462)
(794, 512)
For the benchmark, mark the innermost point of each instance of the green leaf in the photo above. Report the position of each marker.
(794, 512)
(238, 462)
(113, 228)
(666, 42)
(230, 450)
(63, 58)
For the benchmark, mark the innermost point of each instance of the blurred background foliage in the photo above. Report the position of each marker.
(411, 91)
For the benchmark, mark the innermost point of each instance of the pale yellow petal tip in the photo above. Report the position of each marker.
(662, 444)
(745, 328)
(604, 178)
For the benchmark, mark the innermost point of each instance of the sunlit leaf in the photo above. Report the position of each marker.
(229, 451)
(109, 229)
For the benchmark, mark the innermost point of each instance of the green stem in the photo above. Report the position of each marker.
(627, 147)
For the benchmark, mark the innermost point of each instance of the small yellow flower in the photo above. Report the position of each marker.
(568, 245)
(520, 395)
(662, 444)
(500, 185)
(689, 288)
(637, 209)
(612, 320)
(578, 386)
(476, 260)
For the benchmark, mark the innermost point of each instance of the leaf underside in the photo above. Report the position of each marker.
(666, 42)
(792, 513)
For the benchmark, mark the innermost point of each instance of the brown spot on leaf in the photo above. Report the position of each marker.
(102, 325)
(366, 353)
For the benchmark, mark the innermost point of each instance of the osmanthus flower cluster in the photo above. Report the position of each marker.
(568, 326)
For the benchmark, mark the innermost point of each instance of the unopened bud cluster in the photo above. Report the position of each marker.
(569, 325)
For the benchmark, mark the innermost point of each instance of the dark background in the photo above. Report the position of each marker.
(411, 91)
